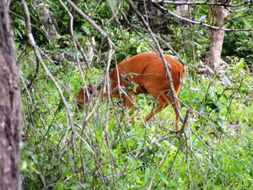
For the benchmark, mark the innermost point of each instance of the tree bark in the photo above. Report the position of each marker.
(183, 10)
(47, 20)
(217, 36)
(10, 106)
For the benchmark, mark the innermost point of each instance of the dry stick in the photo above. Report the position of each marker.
(110, 54)
(132, 152)
(73, 36)
(157, 36)
(168, 72)
(94, 109)
(28, 104)
(33, 25)
(159, 49)
(97, 100)
(39, 57)
(76, 43)
(92, 23)
(173, 161)
(170, 47)
(201, 23)
(156, 170)
(115, 14)
(105, 35)
(42, 178)
(28, 86)
(48, 73)
(200, 3)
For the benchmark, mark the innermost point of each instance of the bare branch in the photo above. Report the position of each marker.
(160, 52)
(105, 35)
(39, 57)
(201, 23)
(106, 79)
(178, 3)
(75, 41)
(92, 23)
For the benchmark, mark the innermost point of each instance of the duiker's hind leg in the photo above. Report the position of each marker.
(163, 100)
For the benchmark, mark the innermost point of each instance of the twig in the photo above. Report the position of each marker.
(159, 49)
(76, 44)
(201, 23)
(92, 23)
(150, 183)
(39, 57)
(105, 35)
(107, 79)
(33, 78)
(75, 41)
(200, 3)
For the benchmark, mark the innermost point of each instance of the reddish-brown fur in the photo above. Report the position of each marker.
(142, 73)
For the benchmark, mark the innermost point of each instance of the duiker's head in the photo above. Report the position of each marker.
(84, 96)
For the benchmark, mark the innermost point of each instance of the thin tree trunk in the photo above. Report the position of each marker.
(47, 20)
(183, 10)
(217, 36)
(10, 106)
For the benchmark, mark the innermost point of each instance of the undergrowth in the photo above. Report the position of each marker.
(116, 149)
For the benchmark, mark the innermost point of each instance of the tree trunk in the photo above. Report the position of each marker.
(183, 10)
(10, 106)
(47, 20)
(221, 14)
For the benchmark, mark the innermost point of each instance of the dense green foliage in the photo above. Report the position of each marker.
(114, 149)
